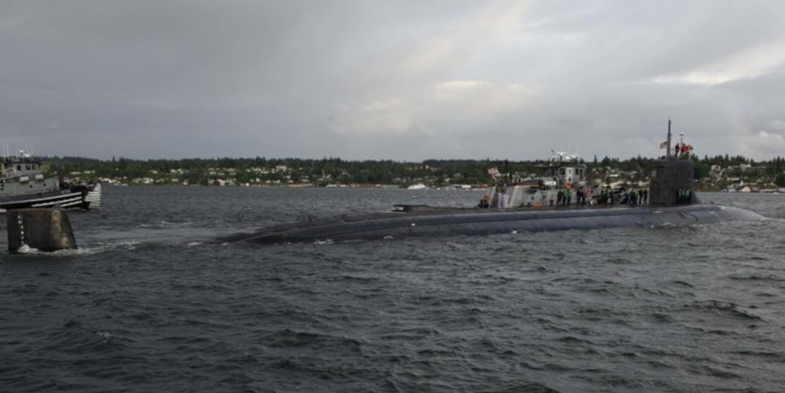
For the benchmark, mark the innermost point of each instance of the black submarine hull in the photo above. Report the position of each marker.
(473, 222)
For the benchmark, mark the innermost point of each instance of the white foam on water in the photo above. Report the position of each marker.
(24, 249)
(105, 335)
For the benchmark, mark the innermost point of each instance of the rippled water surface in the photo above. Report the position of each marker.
(151, 304)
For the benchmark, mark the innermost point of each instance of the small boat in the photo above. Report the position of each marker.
(418, 186)
(24, 185)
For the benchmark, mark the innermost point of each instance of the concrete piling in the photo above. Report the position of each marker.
(39, 228)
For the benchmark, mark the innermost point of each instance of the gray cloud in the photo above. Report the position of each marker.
(374, 79)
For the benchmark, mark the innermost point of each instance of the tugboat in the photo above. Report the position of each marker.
(543, 204)
(24, 185)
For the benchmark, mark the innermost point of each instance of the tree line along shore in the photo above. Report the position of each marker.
(711, 173)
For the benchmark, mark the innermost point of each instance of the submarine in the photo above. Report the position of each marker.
(534, 205)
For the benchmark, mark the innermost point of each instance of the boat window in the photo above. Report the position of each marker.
(561, 171)
(27, 167)
(18, 167)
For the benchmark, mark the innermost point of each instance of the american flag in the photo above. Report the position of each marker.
(664, 145)
(493, 171)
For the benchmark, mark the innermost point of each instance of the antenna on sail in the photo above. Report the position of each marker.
(668, 154)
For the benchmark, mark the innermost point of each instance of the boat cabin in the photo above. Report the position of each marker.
(19, 168)
(23, 175)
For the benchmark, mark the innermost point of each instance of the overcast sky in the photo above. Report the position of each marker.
(403, 80)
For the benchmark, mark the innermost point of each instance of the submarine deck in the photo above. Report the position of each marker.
(423, 221)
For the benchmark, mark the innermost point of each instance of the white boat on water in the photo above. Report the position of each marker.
(24, 185)
(418, 186)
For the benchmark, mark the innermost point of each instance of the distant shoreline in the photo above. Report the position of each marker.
(773, 191)
(733, 173)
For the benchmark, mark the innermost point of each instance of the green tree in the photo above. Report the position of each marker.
(780, 180)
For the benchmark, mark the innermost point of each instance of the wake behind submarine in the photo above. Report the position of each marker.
(536, 205)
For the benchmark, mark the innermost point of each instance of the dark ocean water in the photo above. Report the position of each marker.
(150, 304)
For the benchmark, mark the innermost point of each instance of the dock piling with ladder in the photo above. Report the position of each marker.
(43, 229)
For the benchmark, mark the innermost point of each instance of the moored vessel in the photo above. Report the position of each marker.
(24, 185)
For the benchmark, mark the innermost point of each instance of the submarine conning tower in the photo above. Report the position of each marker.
(669, 178)
(672, 176)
